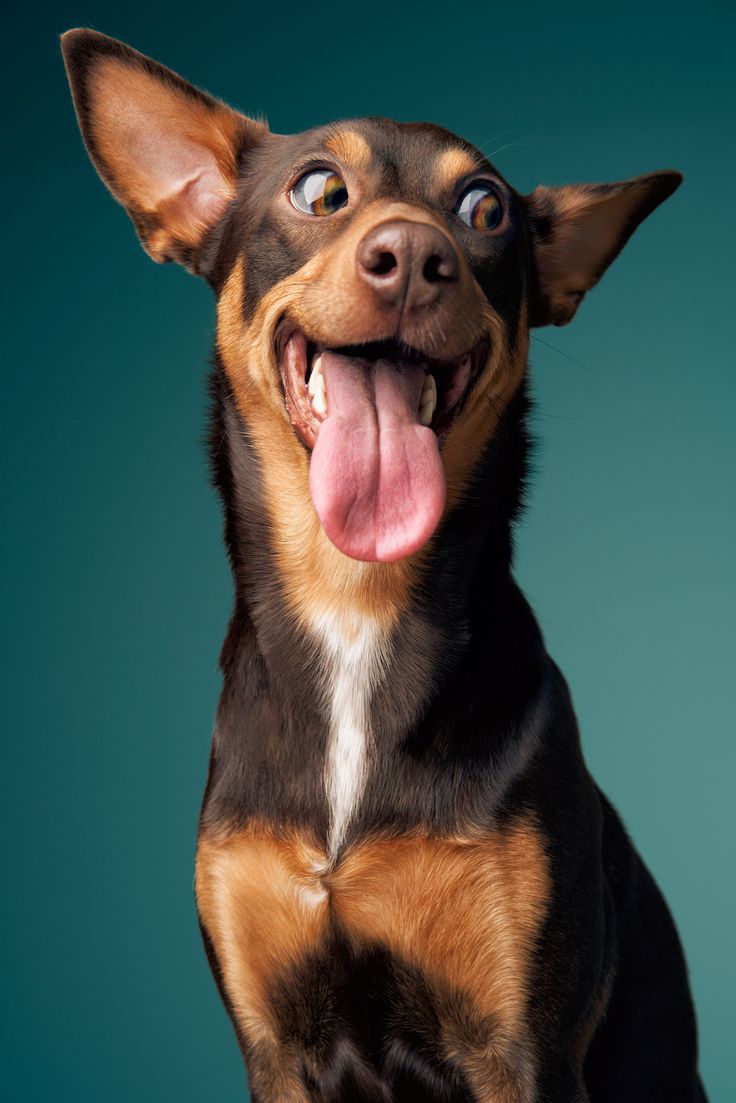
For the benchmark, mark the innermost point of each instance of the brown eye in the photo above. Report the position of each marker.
(320, 192)
(480, 207)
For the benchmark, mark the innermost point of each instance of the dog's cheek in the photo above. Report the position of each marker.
(498, 381)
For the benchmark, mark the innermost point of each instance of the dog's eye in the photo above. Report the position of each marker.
(480, 207)
(320, 192)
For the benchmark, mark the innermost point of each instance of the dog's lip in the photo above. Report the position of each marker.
(454, 377)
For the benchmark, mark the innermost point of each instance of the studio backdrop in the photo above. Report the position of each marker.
(117, 590)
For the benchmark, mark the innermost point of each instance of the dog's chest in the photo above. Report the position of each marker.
(456, 919)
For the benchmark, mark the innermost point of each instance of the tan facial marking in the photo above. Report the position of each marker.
(351, 149)
(465, 911)
(451, 166)
(315, 575)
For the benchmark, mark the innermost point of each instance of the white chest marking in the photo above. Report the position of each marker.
(354, 649)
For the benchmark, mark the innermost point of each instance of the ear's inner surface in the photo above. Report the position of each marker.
(577, 231)
(166, 150)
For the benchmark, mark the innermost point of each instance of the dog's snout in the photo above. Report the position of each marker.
(408, 263)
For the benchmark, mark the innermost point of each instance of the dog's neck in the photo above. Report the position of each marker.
(340, 669)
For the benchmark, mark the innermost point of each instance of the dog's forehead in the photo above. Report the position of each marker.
(410, 156)
(414, 160)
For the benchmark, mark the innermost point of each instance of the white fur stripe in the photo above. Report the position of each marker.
(353, 649)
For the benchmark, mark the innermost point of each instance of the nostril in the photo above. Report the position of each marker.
(382, 263)
(439, 269)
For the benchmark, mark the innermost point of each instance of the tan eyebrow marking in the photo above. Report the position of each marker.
(351, 149)
(451, 165)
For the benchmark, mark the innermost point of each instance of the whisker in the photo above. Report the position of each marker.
(501, 134)
(509, 145)
(559, 352)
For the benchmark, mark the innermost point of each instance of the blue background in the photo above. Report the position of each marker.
(116, 587)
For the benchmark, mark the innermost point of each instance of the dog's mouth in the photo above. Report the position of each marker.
(374, 416)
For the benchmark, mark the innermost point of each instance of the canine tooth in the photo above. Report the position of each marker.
(316, 378)
(318, 395)
(428, 401)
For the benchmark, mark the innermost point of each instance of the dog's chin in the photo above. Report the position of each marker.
(374, 417)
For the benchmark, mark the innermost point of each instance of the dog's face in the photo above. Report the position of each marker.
(376, 275)
(376, 283)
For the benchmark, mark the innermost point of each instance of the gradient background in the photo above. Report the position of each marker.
(117, 592)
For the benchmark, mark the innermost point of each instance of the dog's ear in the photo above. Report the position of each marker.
(166, 150)
(576, 232)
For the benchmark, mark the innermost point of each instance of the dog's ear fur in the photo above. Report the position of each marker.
(576, 232)
(166, 150)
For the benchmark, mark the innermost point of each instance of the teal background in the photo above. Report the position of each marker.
(116, 587)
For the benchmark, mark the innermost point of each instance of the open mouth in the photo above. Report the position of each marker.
(374, 416)
(444, 385)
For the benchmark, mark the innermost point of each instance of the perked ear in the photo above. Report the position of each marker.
(167, 151)
(577, 231)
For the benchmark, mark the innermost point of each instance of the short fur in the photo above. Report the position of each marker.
(409, 886)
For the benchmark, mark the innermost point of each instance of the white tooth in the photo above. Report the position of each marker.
(316, 378)
(428, 401)
(319, 397)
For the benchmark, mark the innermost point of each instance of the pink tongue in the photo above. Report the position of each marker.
(376, 477)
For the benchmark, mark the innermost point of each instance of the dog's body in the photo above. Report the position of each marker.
(409, 886)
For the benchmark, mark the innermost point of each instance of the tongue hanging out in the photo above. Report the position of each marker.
(376, 476)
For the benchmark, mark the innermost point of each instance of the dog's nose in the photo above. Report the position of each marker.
(408, 262)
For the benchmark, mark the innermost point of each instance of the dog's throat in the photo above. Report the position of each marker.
(376, 476)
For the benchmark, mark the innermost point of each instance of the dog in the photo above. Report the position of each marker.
(409, 886)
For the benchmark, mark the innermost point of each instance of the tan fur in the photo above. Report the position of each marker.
(351, 149)
(464, 911)
(264, 908)
(450, 166)
(330, 301)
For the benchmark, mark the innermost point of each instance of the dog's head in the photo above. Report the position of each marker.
(376, 283)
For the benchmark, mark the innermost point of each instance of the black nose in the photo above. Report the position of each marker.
(408, 262)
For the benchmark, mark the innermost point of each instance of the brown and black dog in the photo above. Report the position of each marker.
(409, 886)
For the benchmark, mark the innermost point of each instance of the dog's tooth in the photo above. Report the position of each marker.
(428, 401)
(316, 378)
(319, 396)
(429, 390)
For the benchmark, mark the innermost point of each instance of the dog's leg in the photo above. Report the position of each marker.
(262, 911)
